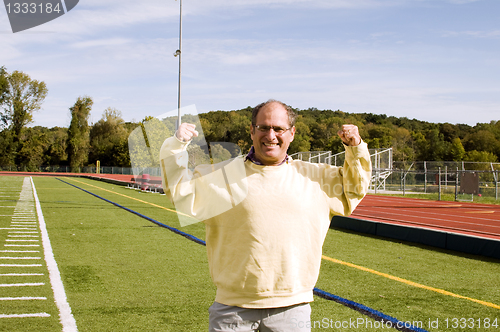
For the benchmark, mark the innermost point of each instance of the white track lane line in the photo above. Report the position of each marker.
(421, 214)
(66, 317)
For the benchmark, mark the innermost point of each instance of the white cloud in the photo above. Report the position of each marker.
(461, 2)
(111, 42)
(493, 34)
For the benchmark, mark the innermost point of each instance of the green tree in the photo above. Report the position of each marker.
(239, 132)
(3, 85)
(378, 136)
(219, 153)
(430, 145)
(198, 155)
(480, 156)
(33, 149)
(78, 133)
(6, 153)
(402, 145)
(457, 151)
(482, 140)
(324, 133)
(145, 142)
(108, 138)
(23, 97)
(302, 138)
(20, 97)
(57, 154)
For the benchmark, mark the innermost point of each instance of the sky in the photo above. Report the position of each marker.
(432, 60)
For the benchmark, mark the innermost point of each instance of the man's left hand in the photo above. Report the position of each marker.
(349, 134)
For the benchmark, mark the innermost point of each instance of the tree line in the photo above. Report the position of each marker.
(111, 139)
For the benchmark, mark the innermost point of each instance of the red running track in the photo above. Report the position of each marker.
(472, 219)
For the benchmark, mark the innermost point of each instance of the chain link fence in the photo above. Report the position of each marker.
(403, 177)
(153, 171)
(440, 177)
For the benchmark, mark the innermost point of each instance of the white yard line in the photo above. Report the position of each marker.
(42, 314)
(20, 274)
(10, 240)
(26, 284)
(24, 298)
(17, 228)
(67, 320)
(20, 265)
(20, 257)
(18, 251)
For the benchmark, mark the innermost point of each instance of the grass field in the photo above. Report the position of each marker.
(124, 273)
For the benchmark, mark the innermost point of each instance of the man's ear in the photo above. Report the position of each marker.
(292, 131)
(251, 131)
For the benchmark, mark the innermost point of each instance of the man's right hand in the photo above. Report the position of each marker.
(186, 132)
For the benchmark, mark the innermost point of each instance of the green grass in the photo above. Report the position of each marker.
(465, 275)
(447, 194)
(10, 188)
(123, 273)
(450, 197)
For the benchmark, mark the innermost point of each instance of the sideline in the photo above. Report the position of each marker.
(337, 261)
(411, 283)
(135, 199)
(66, 317)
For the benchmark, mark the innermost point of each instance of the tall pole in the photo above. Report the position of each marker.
(439, 184)
(179, 53)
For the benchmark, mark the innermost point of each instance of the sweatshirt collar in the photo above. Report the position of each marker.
(251, 156)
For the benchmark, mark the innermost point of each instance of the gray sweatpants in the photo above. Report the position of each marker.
(224, 318)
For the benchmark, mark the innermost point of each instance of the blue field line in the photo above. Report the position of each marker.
(377, 315)
(175, 230)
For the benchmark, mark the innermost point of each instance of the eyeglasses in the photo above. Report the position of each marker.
(277, 129)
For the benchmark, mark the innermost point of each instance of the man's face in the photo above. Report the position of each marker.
(270, 148)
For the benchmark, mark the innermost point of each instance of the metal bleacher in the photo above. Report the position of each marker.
(381, 163)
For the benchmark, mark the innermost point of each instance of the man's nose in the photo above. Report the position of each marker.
(271, 134)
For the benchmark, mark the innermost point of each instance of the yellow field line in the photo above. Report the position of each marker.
(408, 282)
(135, 199)
(411, 283)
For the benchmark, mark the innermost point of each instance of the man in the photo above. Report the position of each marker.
(265, 252)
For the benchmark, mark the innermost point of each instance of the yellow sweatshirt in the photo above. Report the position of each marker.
(265, 225)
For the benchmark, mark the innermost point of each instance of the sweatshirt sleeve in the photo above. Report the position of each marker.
(203, 193)
(356, 175)
(174, 162)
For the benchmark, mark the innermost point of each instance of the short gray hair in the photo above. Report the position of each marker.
(292, 115)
